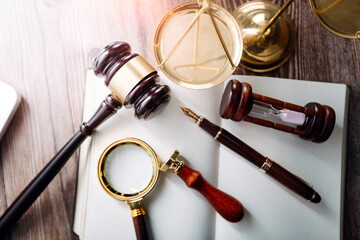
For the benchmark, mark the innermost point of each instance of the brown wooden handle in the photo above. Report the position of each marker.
(32, 191)
(227, 206)
(140, 227)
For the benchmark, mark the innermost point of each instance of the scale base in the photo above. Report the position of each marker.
(268, 51)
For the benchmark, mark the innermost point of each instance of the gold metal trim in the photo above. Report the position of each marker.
(266, 165)
(264, 49)
(201, 2)
(128, 76)
(137, 212)
(128, 198)
(218, 134)
(310, 185)
(233, 66)
(222, 73)
(199, 120)
(328, 19)
(173, 163)
(313, 196)
(204, 7)
(276, 16)
(177, 166)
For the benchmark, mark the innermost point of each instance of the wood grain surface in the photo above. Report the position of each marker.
(45, 48)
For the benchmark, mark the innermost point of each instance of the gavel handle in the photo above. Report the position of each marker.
(227, 206)
(33, 190)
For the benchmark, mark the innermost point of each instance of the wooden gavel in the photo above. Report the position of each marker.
(313, 122)
(133, 83)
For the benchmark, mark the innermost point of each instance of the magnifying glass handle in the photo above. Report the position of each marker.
(33, 190)
(138, 216)
(227, 206)
(140, 228)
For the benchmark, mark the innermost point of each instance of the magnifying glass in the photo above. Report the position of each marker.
(128, 170)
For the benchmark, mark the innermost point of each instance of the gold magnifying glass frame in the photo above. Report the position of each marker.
(134, 200)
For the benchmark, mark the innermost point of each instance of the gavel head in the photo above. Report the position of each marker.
(131, 79)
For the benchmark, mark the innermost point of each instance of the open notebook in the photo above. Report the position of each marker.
(177, 212)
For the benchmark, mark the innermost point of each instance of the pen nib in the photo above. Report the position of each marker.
(190, 114)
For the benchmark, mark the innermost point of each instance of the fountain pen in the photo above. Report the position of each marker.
(264, 164)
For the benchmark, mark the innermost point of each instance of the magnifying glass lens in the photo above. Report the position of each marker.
(128, 169)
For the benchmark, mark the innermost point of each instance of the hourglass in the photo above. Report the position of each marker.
(313, 122)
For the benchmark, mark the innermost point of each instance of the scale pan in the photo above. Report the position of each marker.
(341, 17)
(189, 49)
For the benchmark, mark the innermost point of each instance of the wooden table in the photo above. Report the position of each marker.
(45, 49)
